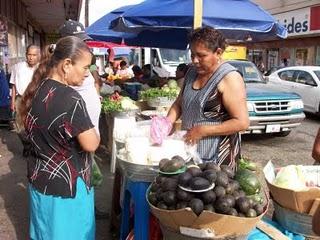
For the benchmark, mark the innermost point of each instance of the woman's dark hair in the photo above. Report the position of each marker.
(67, 47)
(210, 37)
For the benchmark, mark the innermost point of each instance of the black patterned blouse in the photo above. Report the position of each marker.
(57, 115)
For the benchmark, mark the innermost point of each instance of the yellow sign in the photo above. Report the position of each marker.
(235, 52)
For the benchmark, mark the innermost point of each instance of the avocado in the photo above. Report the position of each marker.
(199, 183)
(259, 209)
(183, 195)
(160, 179)
(234, 185)
(178, 158)
(232, 212)
(173, 207)
(243, 204)
(210, 175)
(169, 198)
(229, 189)
(159, 194)
(222, 179)
(209, 207)
(228, 170)
(154, 187)
(222, 205)
(172, 165)
(252, 203)
(230, 199)
(251, 213)
(219, 191)
(184, 179)
(208, 197)
(241, 214)
(202, 166)
(196, 205)
(181, 205)
(153, 199)
(212, 165)
(194, 171)
(169, 184)
(236, 195)
(163, 162)
(162, 205)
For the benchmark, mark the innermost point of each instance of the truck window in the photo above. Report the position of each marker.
(174, 56)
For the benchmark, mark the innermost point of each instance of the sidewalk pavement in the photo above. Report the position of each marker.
(14, 196)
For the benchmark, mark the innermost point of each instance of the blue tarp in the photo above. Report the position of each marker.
(256, 234)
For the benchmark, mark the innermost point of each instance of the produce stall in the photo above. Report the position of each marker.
(190, 200)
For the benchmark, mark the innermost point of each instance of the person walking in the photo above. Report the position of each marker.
(62, 137)
(212, 104)
(20, 78)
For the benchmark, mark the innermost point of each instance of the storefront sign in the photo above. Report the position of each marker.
(301, 21)
(235, 52)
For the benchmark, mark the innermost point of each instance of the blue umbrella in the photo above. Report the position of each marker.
(99, 31)
(237, 19)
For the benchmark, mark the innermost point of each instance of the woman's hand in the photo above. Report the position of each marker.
(194, 135)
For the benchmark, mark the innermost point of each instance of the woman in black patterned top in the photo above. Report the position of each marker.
(62, 137)
(212, 103)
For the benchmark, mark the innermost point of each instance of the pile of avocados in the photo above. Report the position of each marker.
(227, 196)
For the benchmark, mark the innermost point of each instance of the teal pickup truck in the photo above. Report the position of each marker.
(270, 111)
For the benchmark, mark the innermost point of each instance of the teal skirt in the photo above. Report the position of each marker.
(56, 218)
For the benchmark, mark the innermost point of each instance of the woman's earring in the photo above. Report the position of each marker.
(66, 77)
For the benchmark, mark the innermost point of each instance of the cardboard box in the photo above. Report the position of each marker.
(207, 224)
(299, 201)
(299, 223)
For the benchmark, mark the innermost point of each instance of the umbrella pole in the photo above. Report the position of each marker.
(197, 13)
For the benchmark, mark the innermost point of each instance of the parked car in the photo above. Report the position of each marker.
(272, 70)
(270, 110)
(303, 80)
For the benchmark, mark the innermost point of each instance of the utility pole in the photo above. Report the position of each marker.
(86, 13)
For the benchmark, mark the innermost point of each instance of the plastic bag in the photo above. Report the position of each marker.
(291, 177)
(160, 129)
(193, 153)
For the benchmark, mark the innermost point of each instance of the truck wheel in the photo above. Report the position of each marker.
(282, 134)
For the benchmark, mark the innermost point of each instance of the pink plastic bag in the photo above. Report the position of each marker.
(160, 129)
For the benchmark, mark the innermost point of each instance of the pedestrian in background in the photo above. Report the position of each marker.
(212, 104)
(20, 78)
(62, 137)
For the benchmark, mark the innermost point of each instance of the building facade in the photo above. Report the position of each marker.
(302, 46)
